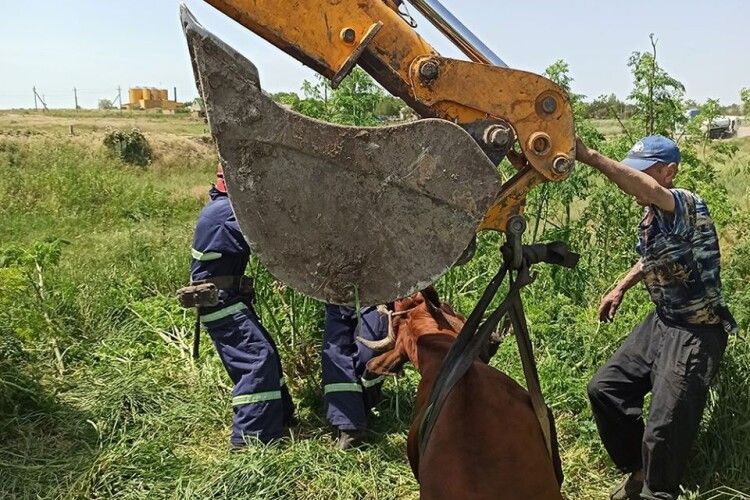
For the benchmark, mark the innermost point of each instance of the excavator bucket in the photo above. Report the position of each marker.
(343, 214)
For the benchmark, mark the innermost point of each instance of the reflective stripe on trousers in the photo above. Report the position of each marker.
(260, 402)
(343, 363)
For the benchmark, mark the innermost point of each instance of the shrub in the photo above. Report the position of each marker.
(131, 147)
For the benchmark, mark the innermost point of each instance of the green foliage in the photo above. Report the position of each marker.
(657, 95)
(745, 98)
(288, 98)
(105, 104)
(352, 103)
(608, 106)
(389, 106)
(131, 147)
(99, 397)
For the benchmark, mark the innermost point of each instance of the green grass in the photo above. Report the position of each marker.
(99, 397)
(27, 122)
(609, 127)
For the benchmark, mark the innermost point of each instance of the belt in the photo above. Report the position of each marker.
(222, 282)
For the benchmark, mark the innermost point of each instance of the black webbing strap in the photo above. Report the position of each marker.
(528, 363)
(473, 336)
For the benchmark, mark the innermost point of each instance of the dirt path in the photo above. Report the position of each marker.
(743, 132)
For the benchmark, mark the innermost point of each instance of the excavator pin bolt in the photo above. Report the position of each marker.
(549, 105)
(562, 165)
(348, 35)
(516, 225)
(428, 70)
(499, 136)
(540, 143)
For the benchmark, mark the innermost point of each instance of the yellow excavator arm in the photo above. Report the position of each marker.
(497, 105)
(367, 215)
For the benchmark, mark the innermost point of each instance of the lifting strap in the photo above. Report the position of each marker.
(474, 334)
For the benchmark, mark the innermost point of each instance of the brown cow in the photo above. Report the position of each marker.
(487, 442)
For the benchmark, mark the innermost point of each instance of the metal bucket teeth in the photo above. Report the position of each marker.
(339, 213)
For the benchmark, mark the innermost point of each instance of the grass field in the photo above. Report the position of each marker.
(99, 397)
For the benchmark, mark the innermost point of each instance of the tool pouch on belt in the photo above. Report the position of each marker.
(205, 293)
(198, 295)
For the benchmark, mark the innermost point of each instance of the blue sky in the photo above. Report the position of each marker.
(96, 45)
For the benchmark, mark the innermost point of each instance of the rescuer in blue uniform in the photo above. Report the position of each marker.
(349, 392)
(260, 400)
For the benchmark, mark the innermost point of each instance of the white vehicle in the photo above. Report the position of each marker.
(721, 127)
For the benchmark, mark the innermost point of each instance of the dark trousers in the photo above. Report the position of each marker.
(260, 399)
(348, 393)
(676, 364)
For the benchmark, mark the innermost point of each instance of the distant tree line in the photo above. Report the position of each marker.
(610, 106)
(359, 100)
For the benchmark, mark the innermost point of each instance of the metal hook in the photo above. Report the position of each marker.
(406, 16)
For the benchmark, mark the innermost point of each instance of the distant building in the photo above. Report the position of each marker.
(150, 98)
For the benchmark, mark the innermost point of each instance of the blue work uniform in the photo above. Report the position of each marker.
(260, 400)
(349, 393)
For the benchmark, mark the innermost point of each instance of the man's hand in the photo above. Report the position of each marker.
(609, 305)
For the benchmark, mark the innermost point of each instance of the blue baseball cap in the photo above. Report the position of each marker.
(652, 150)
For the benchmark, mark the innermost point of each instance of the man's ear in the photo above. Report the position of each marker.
(388, 363)
(671, 172)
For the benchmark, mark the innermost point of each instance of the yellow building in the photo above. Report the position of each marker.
(150, 98)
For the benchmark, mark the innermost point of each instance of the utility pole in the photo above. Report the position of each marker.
(75, 95)
(119, 98)
(41, 99)
(174, 92)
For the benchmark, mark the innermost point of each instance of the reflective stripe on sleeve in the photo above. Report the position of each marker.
(204, 256)
(223, 313)
(367, 383)
(342, 387)
(258, 397)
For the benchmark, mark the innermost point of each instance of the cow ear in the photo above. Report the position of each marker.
(388, 363)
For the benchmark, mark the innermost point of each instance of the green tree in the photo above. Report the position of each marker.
(354, 102)
(389, 106)
(288, 98)
(608, 106)
(745, 98)
(658, 97)
(105, 104)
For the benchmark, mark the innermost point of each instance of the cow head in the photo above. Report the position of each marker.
(420, 314)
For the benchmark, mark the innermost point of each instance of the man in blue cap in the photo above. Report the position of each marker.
(675, 352)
